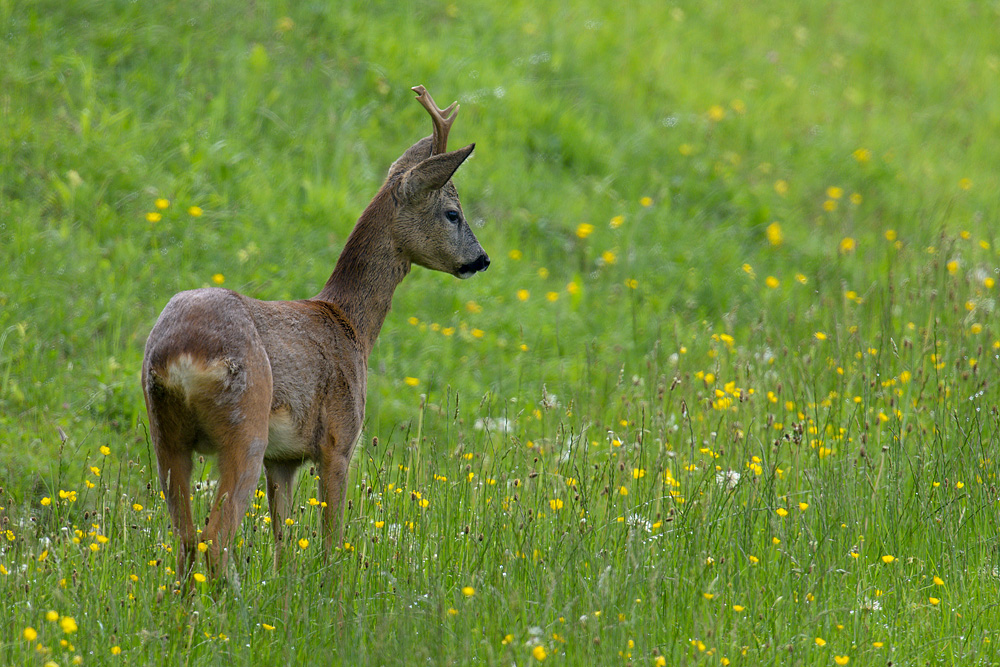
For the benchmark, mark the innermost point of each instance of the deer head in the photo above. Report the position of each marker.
(429, 226)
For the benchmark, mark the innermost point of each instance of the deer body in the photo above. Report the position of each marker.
(273, 384)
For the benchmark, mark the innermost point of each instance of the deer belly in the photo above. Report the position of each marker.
(283, 439)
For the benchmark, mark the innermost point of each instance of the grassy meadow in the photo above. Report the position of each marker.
(726, 396)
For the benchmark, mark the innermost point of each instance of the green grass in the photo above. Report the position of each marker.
(845, 371)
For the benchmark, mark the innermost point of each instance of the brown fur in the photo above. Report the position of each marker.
(273, 384)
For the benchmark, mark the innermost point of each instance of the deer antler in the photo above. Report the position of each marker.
(443, 118)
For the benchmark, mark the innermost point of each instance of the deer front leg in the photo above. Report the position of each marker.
(280, 480)
(334, 466)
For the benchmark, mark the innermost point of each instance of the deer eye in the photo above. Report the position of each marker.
(452, 215)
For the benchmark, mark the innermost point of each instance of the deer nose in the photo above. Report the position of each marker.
(475, 266)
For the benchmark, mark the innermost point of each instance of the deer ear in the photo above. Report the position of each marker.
(434, 172)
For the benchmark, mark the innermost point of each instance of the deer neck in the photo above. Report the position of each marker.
(367, 272)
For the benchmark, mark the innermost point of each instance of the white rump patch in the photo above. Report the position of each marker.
(187, 373)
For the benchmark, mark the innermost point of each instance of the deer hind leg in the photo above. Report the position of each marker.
(236, 422)
(177, 481)
(240, 460)
(171, 429)
(335, 461)
(280, 478)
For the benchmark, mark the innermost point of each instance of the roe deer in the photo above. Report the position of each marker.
(276, 383)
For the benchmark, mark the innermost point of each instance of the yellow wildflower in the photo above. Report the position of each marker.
(774, 234)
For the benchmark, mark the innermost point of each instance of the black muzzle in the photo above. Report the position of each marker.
(480, 264)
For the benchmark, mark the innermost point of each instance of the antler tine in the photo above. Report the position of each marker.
(442, 118)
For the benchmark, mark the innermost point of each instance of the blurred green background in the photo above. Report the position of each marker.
(279, 120)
